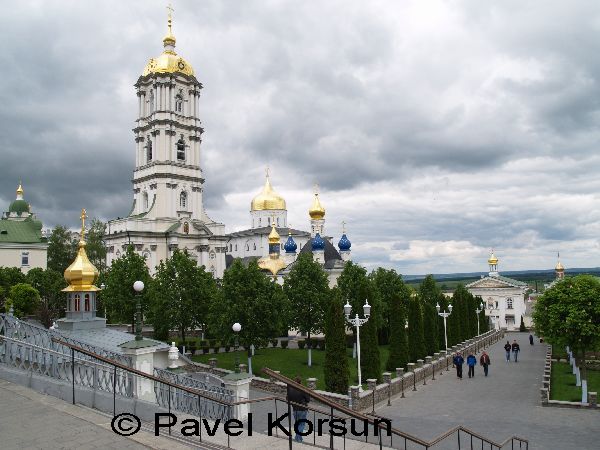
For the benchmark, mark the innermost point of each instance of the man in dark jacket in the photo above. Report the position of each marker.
(515, 349)
(507, 349)
(471, 361)
(485, 362)
(299, 401)
(458, 363)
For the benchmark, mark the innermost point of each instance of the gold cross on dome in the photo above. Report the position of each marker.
(343, 227)
(316, 188)
(83, 217)
(267, 172)
(170, 9)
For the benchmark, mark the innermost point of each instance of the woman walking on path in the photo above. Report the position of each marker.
(471, 361)
(485, 362)
(531, 339)
(507, 348)
(458, 363)
(515, 349)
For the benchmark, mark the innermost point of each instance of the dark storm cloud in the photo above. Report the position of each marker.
(445, 127)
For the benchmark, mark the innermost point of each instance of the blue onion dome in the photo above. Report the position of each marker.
(318, 243)
(344, 244)
(290, 246)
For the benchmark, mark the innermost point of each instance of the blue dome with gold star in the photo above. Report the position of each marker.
(290, 246)
(344, 244)
(318, 243)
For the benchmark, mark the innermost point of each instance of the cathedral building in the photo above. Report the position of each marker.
(503, 297)
(167, 210)
(22, 243)
(276, 245)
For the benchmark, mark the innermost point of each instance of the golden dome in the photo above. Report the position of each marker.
(316, 211)
(492, 259)
(268, 199)
(274, 237)
(81, 274)
(20, 190)
(559, 267)
(168, 61)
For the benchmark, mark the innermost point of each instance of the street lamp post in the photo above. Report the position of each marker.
(138, 287)
(357, 322)
(478, 311)
(102, 287)
(445, 316)
(236, 329)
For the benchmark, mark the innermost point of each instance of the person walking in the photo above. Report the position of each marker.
(299, 401)
(515, 349)
(471, 362)
(507, 348)
(485, 362)
(531, 339)
(458, 363)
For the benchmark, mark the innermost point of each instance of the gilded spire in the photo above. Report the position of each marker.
(492, 260)
(268, 199)
(81, 274)
(169, 39)
(316, 211)
(559, 267)
(20, 191)
(274, 237)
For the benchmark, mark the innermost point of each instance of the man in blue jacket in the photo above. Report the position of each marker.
(458, 363)
(471, 361)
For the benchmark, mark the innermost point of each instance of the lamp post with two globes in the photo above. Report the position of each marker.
(357, 322)
(445, 316)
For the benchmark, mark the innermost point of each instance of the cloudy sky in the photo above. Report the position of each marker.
(436, 129)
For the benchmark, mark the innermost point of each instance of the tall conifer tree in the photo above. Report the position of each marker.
(336, 370)
(398, 356)
(416, 341)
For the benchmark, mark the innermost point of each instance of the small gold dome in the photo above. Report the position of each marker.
(274, 237)
(559, 267)
(316, 211)
(493, 259)
(268, 199)
(20, 190)
(81, 274)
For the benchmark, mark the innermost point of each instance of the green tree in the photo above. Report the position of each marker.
(568, 314)
(336, 370)
(429, 295)
(307, 290)
(370, 358)
(249, 297)
(398, 356)
(61, 249)
(416, 340)
(95, 248)
(180, 296)
(387, 284)
(24, 299)
(49, 284)
(118, 296)
(9, 276)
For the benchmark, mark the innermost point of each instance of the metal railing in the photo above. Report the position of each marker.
(394, 433)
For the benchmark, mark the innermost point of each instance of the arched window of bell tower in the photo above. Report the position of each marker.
(151, 102)
(179, 104)
(183, 200)
(181, 149)
(149, 149)
(145, 201)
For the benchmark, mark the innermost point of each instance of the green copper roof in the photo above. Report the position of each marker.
(23, 232)
(19, 206)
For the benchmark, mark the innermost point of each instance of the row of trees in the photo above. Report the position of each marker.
(568, 314)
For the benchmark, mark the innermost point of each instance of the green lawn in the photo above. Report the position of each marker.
(290, 362)
(562, 383)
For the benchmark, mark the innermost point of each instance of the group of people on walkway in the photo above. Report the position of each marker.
(458, 361)
(515, 350)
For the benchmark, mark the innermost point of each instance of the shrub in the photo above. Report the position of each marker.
(274, 342)
(301, 344)
(227, 348)
(284, 344)
(216, 349)
(321, 344)
(205, 349)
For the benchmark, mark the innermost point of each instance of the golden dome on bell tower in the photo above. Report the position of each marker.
(316, 211)
(81, 274)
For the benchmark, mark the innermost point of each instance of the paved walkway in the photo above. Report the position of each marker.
(29, 420)
(505, 403)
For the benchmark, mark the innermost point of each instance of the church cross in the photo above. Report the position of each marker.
(169, 16)
(267, 171)
(83, 217)
(343, 227)
(316, 188)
